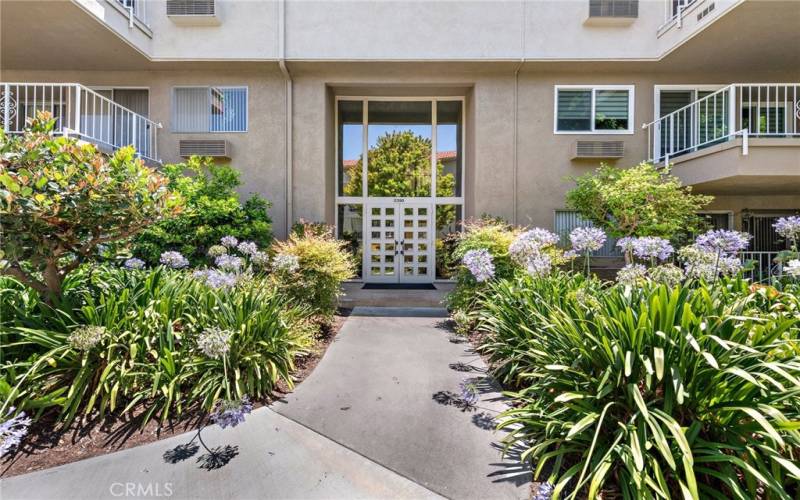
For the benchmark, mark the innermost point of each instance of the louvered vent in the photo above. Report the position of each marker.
(210, 147)
(191, 7)
(599, 149)
(613, 8)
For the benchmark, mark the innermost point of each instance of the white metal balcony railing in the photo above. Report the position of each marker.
(136, 9)
(764, 268)
(79, 112)
(738, 110)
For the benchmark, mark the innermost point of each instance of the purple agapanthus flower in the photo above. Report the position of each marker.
(587, 239)
(788, 227)
(216, 279)
(530, 243)
(247, 248)
(134, 263)
(626, 243)
(174, 260)
(230, 413)
(652, 247)
(539, 265)
(480, 264)
(469, 393)
(543, 492)
(12, 430)
(229, 241)
(723, 241)
(230, 263)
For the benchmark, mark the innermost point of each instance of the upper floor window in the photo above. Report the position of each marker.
(599, 109)
(209, 109)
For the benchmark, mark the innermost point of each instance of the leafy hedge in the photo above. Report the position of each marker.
(212, 210)
(651, 391)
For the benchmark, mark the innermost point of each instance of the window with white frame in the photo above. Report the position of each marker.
(600, 109)
(209, 109)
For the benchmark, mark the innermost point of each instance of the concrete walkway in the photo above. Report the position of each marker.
(388, 388)
(380, 417)
(268, 456)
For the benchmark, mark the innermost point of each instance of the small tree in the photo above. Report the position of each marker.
(61, 198)
(637, 201)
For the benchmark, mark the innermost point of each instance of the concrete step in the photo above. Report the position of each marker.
(356, 296)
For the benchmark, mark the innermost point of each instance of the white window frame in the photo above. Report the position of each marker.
(209, 87)
(593, 88)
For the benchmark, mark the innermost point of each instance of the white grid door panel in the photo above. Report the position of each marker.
(380, 258)
(399, 243)
(416, 243)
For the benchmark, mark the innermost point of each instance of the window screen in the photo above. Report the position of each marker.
(210, 109)
(611, 110)
(574, 110)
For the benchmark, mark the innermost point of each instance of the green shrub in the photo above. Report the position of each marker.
(212, 211)
(141, 344)
(642, 200)
(652, 392)
(323, 264)
(60, 200)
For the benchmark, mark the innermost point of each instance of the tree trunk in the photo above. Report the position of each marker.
(53, 280)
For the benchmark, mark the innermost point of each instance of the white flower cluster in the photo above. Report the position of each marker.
(285, 263)
(86, 337)
(528, 250)
(793, 268)
(587, 239)
(632, 275)
(175, 260)
(214, 342)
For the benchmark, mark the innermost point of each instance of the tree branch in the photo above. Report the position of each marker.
(16, 272)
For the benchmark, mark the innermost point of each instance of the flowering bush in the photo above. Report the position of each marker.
(61, 199)
(323, 263)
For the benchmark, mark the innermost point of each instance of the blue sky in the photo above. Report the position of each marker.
(351, 136)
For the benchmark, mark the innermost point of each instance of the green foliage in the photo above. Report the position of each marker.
(60, 199)
(637, 201)
(324, 263)
(492, 234)
(652, 392)
(212, 211)
(148, 353)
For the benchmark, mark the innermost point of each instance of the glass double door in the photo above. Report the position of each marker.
(399, 242)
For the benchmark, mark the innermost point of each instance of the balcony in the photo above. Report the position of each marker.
(79, 112)
(743, 136)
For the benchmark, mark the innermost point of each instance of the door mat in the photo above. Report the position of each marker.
(398, 286)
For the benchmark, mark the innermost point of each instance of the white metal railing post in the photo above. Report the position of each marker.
(731, 111)
(135, 136)
(77, 124)
(6, 107)
(745, 142)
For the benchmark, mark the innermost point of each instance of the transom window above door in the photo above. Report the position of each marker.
(602, 109)
(405, 148)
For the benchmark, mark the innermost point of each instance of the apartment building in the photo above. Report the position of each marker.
(502, 101)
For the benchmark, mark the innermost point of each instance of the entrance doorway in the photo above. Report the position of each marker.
(399, 183)
(400, 247)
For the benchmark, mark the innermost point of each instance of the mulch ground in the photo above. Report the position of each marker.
(45, 447)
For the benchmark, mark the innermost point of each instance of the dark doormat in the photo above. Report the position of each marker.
(398, 286)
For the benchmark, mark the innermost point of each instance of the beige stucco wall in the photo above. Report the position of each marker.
(258, 154)
(524, 185)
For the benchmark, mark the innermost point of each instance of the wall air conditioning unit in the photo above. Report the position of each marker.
(612, 12)
(193, 12)
(598, 149)
(217, 148)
